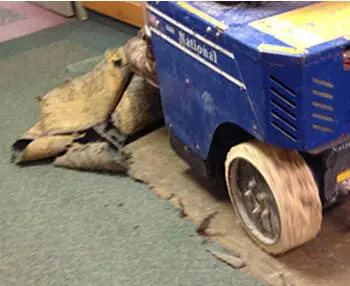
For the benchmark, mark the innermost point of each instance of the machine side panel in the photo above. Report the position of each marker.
(283, 98)
(326, 98)
(197, 99)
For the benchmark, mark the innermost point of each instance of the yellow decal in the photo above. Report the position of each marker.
(309, 26)
(285, 50)
(203, 15)
(343, 176)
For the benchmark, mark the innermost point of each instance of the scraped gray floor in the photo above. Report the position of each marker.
(65, 227)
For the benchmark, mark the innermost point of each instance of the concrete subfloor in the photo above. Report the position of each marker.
(65, 227)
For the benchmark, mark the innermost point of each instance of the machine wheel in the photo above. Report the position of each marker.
(274, 194)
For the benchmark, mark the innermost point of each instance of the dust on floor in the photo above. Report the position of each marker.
(323, 261)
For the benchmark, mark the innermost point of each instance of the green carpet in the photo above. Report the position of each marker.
(65, 227)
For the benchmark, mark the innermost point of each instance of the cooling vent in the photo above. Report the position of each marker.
(322, 102)
(283, 108)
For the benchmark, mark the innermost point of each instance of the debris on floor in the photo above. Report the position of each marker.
(230, 259)
(85, 122)
(97, 156)
(170, 178)
(202, 228)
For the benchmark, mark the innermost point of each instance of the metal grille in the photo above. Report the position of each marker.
(283, 108)
(322, 102)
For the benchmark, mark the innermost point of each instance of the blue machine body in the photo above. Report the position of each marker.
(276, 70)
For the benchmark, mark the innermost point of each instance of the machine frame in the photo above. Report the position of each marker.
(277, 73)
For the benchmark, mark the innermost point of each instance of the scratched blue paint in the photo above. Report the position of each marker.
(227, 64)
(278, 105)
(239, 14)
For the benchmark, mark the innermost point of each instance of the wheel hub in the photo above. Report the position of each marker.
(256, 203)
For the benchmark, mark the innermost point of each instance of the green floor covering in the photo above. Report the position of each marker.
(65, 227)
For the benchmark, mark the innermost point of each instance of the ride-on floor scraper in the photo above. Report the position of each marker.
(260, 93)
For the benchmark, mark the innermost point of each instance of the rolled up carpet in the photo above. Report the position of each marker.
(139, 107)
